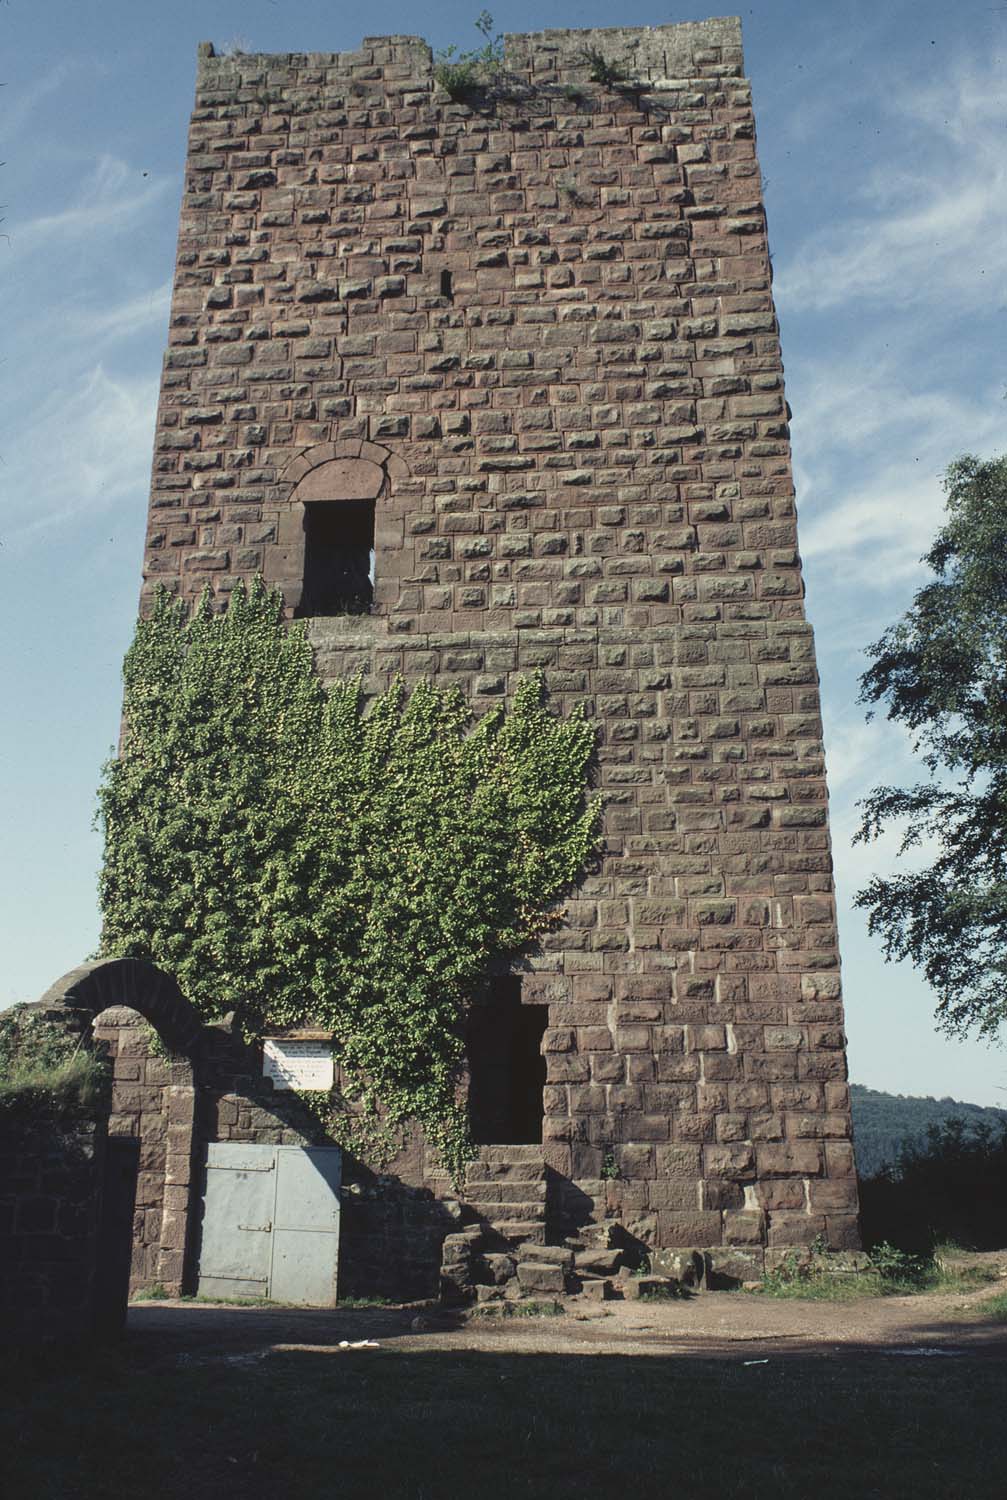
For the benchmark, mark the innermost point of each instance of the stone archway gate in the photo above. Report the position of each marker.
(152, 1122)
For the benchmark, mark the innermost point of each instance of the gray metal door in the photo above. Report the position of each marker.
(271, 1223)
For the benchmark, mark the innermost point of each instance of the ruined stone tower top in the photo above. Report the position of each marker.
(679, 50)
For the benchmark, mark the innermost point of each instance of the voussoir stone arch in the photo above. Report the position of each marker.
(350, 470)
(351, 454)
(137, 984)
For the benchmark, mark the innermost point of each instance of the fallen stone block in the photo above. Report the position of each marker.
(597, 1262)
(635, 1287)
(555, 1255)
(686, 1266)
(534, 1276)
(498, 1267)
(601, 1290)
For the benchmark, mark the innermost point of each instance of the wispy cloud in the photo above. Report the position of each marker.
(871, 448)
(112, 197)
(933, 234)
(21, 104)
(122, 319)
(861, 756)
(76, 426)
(88, 448)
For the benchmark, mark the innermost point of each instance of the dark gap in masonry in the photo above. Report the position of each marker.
(506, 1068)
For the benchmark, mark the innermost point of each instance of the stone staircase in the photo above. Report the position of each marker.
(501, 1250)
(503, 1253)
(503, 1220)
(505, 1196)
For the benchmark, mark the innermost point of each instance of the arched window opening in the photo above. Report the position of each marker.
(338, 558)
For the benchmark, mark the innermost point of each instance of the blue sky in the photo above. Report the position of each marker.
(883, 143)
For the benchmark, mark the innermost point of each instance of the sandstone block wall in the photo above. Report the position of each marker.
(538, 328)
(51, 1176)
(153, 1104)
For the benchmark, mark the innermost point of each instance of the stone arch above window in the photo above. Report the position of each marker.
(330, 527)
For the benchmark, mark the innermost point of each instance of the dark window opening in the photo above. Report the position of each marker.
(506, 1067)
(338, 558)
(446, 288)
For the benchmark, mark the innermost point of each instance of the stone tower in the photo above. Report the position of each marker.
(495, 384)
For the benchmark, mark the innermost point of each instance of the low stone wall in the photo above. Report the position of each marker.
(392, 1239)
(51, 1176)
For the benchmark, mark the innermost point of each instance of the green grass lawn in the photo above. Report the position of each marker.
(421, 1426)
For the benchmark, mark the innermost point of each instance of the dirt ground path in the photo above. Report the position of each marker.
(737, 1325)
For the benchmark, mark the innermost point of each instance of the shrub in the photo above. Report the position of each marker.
(44, 1071)
(462, 73)
(948, 1187)
(601, 69)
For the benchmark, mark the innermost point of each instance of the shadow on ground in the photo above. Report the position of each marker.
(242, 1412)
(715, 1326)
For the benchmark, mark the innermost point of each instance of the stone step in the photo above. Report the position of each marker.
(555, 1255)
(519, 1231)
(510, 1154)
(504, 1192)
(513, 1171)
(492, 1208)
(604, 1236)
(491, 1215)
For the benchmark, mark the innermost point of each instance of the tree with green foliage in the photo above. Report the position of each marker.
(942, 672)
(294, 858)
(946, 1186)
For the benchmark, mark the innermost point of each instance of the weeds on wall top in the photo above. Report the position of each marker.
(601, 69)
(462, 73)
(298, 857)
(45, 1073)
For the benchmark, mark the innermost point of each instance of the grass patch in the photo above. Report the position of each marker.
(423, 1425)
(63, 1091)
(994, 1309)
(362, 1304)
(816, 1288)
(891, 1273)
(532, 1309)
(198, 1297)
(160, 1293)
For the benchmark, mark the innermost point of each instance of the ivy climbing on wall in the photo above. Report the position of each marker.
(298, 855)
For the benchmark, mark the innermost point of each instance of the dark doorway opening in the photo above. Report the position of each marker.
(506, 1068)
(115, 1233)
(338, 558)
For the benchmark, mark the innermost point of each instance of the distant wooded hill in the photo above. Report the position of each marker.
(883, 1123)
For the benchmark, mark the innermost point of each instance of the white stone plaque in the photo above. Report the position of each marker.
(297, 1064)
